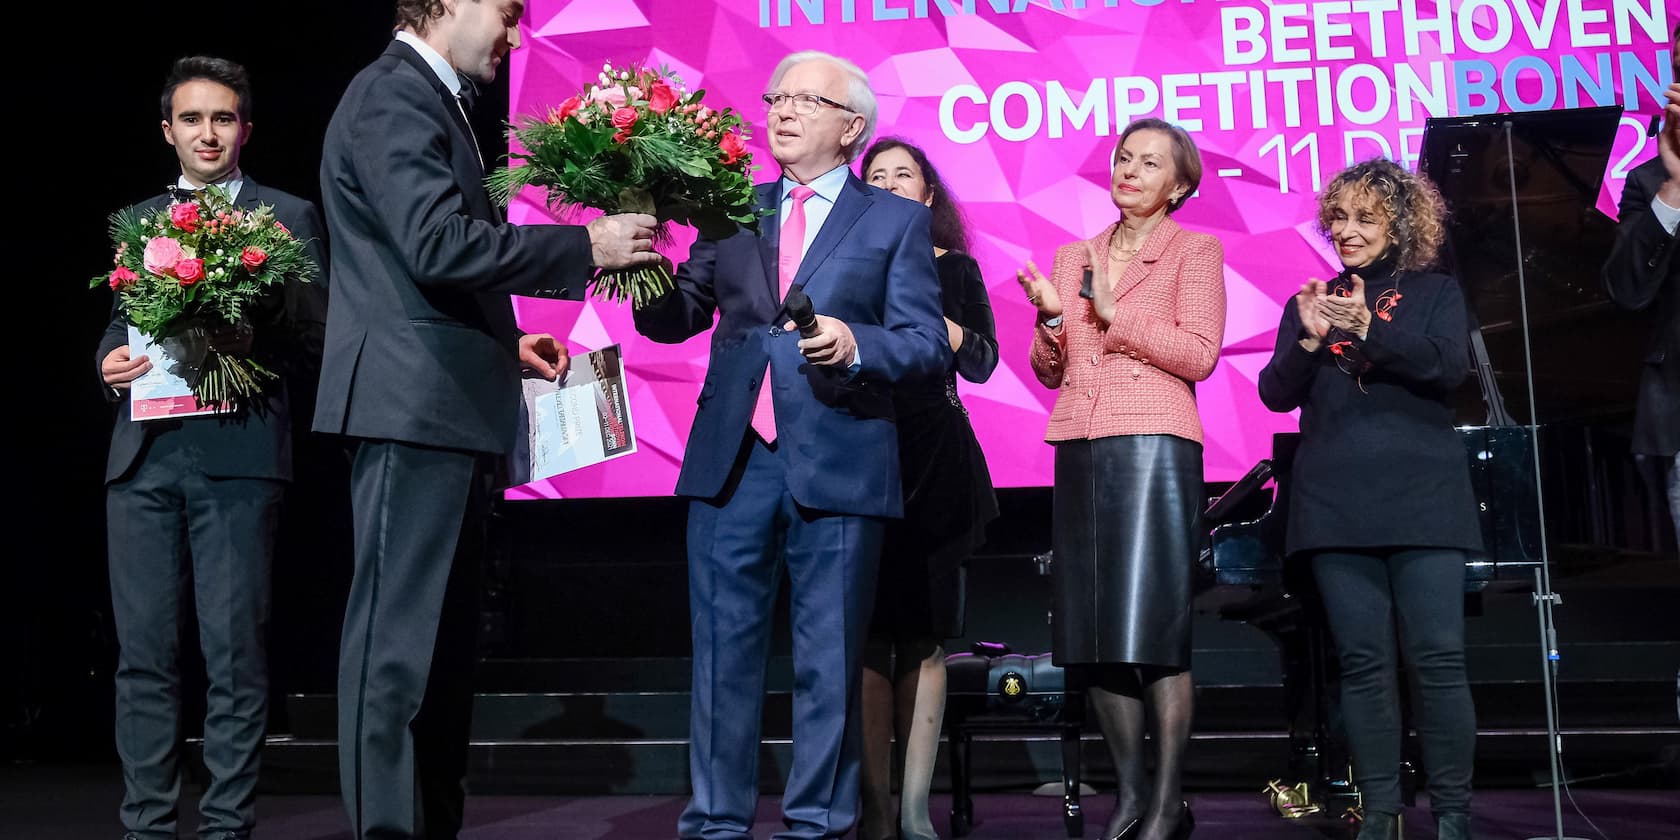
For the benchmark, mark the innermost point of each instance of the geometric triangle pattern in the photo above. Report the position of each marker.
(1019, 103)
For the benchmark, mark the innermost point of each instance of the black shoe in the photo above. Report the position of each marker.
(1452, 826)
(1378, 826)
(1186, 823)
(1130, 831)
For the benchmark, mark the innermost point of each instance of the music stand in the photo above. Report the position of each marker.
(1520, 188)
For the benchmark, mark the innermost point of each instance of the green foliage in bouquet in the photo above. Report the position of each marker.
(205, 265)
(637, 142)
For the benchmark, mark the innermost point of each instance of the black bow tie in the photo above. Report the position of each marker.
(468, 94)
(179, 194)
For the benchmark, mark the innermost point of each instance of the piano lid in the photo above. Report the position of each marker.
(1547, 175)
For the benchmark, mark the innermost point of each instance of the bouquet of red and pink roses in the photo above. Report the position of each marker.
(205, 264)
(637, 142)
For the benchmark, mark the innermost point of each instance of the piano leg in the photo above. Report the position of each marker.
(962, 801)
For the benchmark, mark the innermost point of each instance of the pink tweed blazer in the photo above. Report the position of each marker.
(1133, 378)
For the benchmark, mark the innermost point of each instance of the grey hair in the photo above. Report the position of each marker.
(860, 97)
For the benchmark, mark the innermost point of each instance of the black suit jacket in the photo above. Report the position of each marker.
(248, 443)
(421, 343)
(1640, 274)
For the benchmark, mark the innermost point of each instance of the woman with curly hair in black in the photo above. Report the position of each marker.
(1381, 501)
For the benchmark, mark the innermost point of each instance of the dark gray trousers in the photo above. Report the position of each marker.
(410, 634)
(1367, 595)
(175, 533)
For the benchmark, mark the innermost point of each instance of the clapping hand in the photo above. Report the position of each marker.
(1041, 293)
(1102, 285)
(1348, 313)
(1313, 325)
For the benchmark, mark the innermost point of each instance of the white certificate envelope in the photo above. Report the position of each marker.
(164, 391)
(581, 420)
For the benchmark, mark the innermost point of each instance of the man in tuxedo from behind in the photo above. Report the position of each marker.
(422, 374)
(199, 498)
(1643, 272)
(793, 457)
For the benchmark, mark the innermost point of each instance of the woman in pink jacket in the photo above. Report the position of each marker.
(1127, 322)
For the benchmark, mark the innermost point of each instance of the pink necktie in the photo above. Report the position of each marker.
(787, 267)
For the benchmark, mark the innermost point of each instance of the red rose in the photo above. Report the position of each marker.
(253, 258)
(185, 216)
(733, 147)
(189, 271)
(122, 278)
(661, 98)
(624, 119)
(567, 108)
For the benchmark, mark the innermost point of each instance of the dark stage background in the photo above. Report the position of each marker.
(100, 86)
(88, 142)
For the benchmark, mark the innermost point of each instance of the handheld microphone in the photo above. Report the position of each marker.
(799, 311)
(1656, 124)
(1085, 285)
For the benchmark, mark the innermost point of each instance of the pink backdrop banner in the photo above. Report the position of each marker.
(1019, 102)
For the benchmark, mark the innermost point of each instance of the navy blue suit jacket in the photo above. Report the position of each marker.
(871, 266)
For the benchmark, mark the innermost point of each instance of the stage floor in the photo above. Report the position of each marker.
(62, 802)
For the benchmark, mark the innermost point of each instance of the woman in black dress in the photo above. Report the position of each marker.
(947, 502)
(1381, 500)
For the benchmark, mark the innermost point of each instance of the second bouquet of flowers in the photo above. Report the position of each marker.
(637, 141)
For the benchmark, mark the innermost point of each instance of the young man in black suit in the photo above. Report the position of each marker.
(199, 498)
(422, 368)
(1644, 273)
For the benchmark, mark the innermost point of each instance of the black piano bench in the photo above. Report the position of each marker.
(995, 691)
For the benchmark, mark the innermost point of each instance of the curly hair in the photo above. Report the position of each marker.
(1410, 207)
(418, 14)
(949, 232)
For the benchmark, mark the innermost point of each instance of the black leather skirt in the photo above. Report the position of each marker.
(1126, 534)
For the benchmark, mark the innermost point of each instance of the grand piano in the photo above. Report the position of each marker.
(1526, 243)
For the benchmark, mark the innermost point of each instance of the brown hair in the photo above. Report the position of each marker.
(418, 14)
(1187, 159)
(949, 232)
(1412, 211)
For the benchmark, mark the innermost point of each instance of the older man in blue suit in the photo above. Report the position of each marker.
(793, 458)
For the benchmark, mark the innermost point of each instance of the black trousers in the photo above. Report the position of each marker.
(1368, 594)
(180, 540)
(410, 636)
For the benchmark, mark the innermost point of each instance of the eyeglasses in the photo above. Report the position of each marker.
(804, 104)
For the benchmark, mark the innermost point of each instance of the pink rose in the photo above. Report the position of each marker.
(122, 278)
(624, 119)
(185, 216)
(612, 95)
(162, 253)
(661, 98)
(733, 147)
(253, 258)
(567, 108)
(189, 271)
